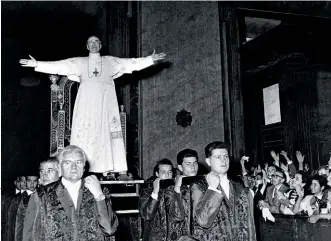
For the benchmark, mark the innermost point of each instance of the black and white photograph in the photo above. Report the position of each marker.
(165, 120)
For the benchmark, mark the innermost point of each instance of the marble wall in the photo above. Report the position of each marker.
(190, 79)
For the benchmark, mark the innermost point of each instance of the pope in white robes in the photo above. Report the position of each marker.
(96, 126)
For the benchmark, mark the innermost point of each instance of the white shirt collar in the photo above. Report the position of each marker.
(17, 190)
(224, 178)
(225, 184)
(29, 192)
(70, 185)
(94, 56)
(319, 196)
(22, 190)
(73, 189)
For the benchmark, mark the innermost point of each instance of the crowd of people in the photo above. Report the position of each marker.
(64, 202)
(282, 188)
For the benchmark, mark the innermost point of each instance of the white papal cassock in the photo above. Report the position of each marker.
(96, 126)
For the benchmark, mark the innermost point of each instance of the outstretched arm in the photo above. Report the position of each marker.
(128, 65)
(61, 67)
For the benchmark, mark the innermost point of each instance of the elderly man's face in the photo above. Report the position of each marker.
(72, 166)
(93, 44)
(48, 173)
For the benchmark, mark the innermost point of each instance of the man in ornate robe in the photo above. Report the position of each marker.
(223, 209)
(180, 213)
(71, 208)
(154, 203)
(96, 126)
(31, 185)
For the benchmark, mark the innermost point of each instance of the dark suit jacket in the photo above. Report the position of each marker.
(275, 202)
(51, 216)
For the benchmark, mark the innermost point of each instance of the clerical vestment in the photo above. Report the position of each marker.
(96, 126)
(52, 216)
(154, 212)
(180, 214)
(217, 217)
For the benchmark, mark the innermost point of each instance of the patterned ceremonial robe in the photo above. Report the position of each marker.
(11, 216)
(21, 211)
(96, 126)
(218, 218)
(180, 214)
(154, 212)
(51, 216)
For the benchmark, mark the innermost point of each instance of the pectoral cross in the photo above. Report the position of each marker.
(95, 72)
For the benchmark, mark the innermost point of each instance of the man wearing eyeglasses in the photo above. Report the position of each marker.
(275, 195)
(73, 208)
(222, 208)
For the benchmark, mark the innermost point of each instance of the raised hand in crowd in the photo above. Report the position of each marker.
(275, 157)
(286, 171)
(242, 163)
(284, 154)
(300, 159)
(284, 167)
(266, 166)
(258, 169)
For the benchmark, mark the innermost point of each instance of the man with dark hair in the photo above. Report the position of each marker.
(31, 185)
(73, 208)
(222, 208)
(180, 215)
(154, 201)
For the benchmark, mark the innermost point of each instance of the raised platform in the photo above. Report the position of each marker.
(125, 198)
